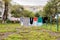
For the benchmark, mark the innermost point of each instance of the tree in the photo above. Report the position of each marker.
(40, 13)
(6, 3)
(37, 15)
(17, 10)
(27, 13)
(31, 14)
(51, 7)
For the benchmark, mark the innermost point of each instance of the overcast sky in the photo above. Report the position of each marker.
(31, 2)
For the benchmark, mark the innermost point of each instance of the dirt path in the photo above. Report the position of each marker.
(5, 35)
(18, 30)
(57, 34)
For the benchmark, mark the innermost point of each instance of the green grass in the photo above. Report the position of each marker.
(28, 33)
(52, 27)
(11, 27)
(31, 33)
(8, 27)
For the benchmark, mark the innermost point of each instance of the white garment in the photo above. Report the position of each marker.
(35, 23)
(21, 23)
(39, 24)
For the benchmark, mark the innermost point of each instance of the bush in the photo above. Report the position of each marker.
(0, 21)
(8, 21)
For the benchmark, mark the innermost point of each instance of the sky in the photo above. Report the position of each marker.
(30, 2)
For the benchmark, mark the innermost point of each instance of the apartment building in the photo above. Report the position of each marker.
(1, 9)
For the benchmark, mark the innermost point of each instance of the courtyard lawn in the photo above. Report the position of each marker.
(16, 32)
(52, 27)
(8, 27)
(11, 27)
(32, 35)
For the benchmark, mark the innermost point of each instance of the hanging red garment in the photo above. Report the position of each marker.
(35, 18)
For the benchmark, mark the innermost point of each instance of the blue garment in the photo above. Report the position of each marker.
(40, 19)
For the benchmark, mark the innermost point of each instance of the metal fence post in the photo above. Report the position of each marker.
(50, 21)
(57, 23)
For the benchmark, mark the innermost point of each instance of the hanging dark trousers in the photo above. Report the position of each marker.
(31, 20)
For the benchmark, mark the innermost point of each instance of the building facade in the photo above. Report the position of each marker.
(1, 9)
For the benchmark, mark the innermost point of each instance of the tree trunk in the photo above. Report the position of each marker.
(5, 13)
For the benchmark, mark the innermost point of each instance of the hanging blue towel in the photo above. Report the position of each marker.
(40, 21)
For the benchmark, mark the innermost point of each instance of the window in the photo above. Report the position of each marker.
(0, 13)
(0, 17)
(1, 4)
